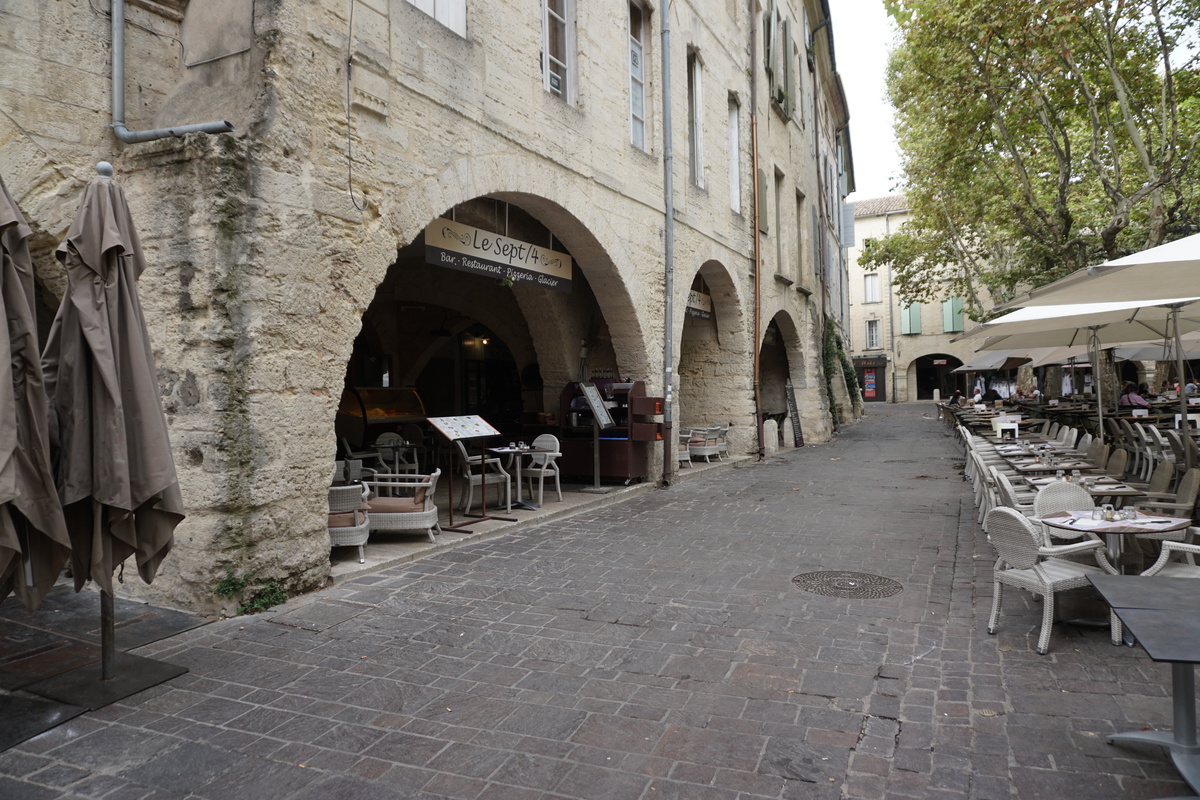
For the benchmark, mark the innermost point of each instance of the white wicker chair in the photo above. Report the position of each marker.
(349, 519)
(1177, 560)
(391, 510)
(1027, 564)
(703, 444)
(1057, 497)
(1181, 504)
(722, 441)
(682, 435)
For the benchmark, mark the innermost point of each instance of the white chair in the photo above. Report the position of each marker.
(392, 510)
(682, 436)
(722, 441)
(482, 472)
(1177, 559)
(349, 518)
(703, 444)
(1025, 563)
(1057, 497)
(542, 464)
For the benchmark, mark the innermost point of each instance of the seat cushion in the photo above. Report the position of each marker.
(397, 505)
(346, 519)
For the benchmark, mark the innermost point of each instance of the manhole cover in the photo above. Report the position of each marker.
(852, 585)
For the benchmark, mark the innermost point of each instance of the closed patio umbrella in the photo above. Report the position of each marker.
(115, 474)
(113, 466)
(33, 537)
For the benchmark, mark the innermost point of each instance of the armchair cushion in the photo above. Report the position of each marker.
(346, 519)
(398, 505)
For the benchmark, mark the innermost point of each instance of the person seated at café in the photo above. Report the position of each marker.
(1144, 390)
(1130, 398)
(1191, 387)
(991, 395)
(956, 398)
(1036, 395)
(978, 398)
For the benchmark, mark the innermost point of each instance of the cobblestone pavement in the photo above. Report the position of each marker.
(655, 648)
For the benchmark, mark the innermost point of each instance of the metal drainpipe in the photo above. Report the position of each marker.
(118, 93)
(669, 455)
(757, 342)
(887, 229)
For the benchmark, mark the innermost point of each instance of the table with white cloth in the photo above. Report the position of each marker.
(1081, 522)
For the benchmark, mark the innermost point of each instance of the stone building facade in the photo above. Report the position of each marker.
(289, 256)
(902, 351)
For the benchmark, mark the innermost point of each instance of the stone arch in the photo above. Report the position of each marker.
(563, 206)
(924, 374)
(713, 365)
(781, 357)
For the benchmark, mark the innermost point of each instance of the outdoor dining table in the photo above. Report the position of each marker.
(1113, 531)
(1030, 465)
(1163, 614)
(517, 454)
(1101, 488)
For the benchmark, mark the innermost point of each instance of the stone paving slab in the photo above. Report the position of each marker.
(652, 648)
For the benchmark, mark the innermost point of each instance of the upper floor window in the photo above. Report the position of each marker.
(695, 117)
(910, 318)
(735, 150)
(451, 13)
(558, 45)
(637, 76)
(873, 342)
(871, 288)
(952, 315)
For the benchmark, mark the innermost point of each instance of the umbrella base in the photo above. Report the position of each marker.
(84, 687)
(26, 717)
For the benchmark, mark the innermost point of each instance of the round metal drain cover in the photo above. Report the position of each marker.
(851, 585)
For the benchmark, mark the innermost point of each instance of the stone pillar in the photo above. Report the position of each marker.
(1052, 378)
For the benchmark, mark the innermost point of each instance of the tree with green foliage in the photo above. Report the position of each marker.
(1038, 138)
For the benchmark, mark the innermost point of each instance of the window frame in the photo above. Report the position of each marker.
(873, 341)
(910, 319)
(735, 154)
(871, 293)
(695, 100)
(637, 75)
(450, 13)
(566, 90)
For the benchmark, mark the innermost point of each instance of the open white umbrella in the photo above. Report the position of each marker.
(1089, 324)
(1160, 274)
(993, 360)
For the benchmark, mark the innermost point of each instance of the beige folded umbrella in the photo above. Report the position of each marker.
(114, 471)
(33, 537)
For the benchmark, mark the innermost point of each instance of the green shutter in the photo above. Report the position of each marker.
(952, 317)
(910, 318)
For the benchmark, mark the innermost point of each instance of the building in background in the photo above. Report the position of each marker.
(901, 351)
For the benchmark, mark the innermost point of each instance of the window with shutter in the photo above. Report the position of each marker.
(952, 315)
(910, 318)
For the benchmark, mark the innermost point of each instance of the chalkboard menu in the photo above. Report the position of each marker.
(797, 433)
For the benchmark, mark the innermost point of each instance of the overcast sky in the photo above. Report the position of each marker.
(862, 35)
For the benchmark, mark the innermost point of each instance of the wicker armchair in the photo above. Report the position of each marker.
(349, 521)
(490, 473)
(1177, 559)
(1027, 564)
(1181, 504)
(703, 444)
(682, 435)
(389, 513)
(1057, 497)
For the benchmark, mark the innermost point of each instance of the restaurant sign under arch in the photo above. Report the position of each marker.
(469, 249)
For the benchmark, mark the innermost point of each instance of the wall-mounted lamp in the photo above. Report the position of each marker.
(485, 341)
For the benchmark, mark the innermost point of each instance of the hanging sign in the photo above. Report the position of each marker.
(699, 305)
(463, 247)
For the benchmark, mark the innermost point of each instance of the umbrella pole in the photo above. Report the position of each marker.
(1097, 380)
(107, 624)
(1185, 426)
